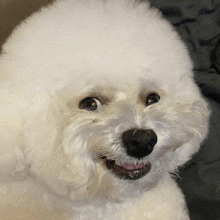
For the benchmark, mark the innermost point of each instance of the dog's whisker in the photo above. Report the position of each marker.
(175, 174)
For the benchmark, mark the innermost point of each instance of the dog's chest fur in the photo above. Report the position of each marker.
(155, 204)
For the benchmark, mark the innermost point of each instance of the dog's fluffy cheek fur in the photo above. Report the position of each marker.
(197, 126)
(191, 128)
(42, 153)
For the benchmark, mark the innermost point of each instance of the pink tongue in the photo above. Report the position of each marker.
(131, 166)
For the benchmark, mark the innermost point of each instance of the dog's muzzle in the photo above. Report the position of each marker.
(138, 144)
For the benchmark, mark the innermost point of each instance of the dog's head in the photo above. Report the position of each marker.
(104, 105)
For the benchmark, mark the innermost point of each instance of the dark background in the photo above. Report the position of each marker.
(198, 23)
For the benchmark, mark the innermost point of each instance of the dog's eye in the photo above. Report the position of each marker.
(152, 98)
(90, 104)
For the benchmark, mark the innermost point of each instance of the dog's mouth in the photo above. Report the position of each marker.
(128, 171)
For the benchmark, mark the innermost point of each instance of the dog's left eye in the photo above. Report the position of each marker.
(152, 98)
(90, 104)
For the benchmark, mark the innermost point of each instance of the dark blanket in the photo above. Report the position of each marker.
(198, 22)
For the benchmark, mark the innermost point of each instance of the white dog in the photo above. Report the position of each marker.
(98, 106)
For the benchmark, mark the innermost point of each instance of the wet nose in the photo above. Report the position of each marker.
(139, 143)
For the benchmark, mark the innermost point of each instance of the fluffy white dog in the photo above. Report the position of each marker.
(98, 106)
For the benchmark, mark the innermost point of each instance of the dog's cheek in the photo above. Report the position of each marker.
(47, 158)
(196, 123)
(63, 175)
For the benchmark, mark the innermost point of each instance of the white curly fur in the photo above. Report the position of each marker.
(117, 51)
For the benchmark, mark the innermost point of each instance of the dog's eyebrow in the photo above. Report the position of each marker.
(103, 99)
(144, 92)
(104, 95)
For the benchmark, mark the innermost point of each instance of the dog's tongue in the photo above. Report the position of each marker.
(131, 166)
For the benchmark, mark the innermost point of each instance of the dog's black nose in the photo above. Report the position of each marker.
(139, 143)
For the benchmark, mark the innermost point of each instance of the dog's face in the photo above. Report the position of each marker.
(105, 109)
(119, 136)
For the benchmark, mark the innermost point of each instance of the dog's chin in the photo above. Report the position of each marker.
(127, 171)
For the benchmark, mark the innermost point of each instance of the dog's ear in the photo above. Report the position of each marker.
(197, 126)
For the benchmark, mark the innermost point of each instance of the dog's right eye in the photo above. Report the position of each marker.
(90, 104)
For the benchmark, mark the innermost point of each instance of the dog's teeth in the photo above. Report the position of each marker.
(131, 166)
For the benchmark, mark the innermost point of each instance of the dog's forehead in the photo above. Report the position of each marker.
(118, 50)
(119, 88)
